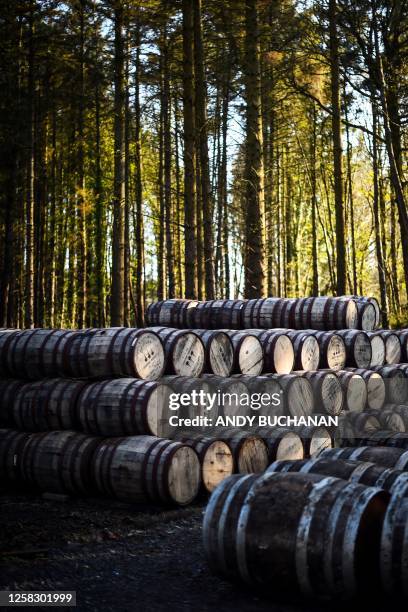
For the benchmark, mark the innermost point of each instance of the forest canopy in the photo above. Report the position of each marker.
(201, 149)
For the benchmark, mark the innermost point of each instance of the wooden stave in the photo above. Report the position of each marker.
(124, 405)
(66, 457)
(118, 471)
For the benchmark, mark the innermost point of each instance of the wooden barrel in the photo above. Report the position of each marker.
(327, 313)
(358, 348)
(403, 338)
(394, 544)
(49, 404)
(394, 458)
(364, 423)
(314, 439)
(396, 383)
(355, 390)
(249, 451)
(296, 534)
(8, 391)
(229, 395)
(198, 389)
(307, 350)
(328, 395)
(378, 349)
(215, 457)
(282, 442)
(259, 386)
(170, 313)
(332, 350)
(6, 336)
(184, 351)
(219, 352)
(392, 342)
(297, 394)
(248, 353)
(37, 353)
(344, 432)
(386, 438)
(368, 310)
(376, 390)
(391, 419)
(11, 447)
(115, 351)
(144, 468)
(218, 314)
(278, 351)
(362, 472)
(125, 406)
(401, 410)
(260, 313)
(59, 461)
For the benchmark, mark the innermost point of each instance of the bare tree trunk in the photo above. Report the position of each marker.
(29, 267)
(190, 243)
(139, 237)
(80, 190)
(118, 238)
(254, 252)
(337, 150)
(313, 145)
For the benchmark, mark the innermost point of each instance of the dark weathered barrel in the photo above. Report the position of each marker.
(403, 338)
(282, 443)
(307, 350)
(59, 461)
(332, 349)
(314, 439)
(184, 351)
(144, 468)
(296, 534)
(196, 393)
(260, 313)
(362, 472)
(125, 406)
(278, 351)
(215, 457)
(6, 336)
(358, 348)
(381, 455)
(267, 394)
(376, 391)
(327, 313)
(11, 447)
(394, 545)
(387, 438)
(344, 432)
(229, 394)
(49, 404)
(391, 419)
(297, 394)
(8, 391)
(364, 423)
(396, 383)
(219, 351)
(401, 410)
(171, 313)
(368, 311)
(114, 351)
(36, 353)
(328, 395)
(218, 314)
(248, 352)
(355, 390)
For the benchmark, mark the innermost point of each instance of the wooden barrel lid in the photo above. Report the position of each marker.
(184, 476)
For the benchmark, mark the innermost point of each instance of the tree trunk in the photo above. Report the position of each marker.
(313, 145)
(139, 237)
(118, 237)
(254, 254)
(29, 265)
(337, 149)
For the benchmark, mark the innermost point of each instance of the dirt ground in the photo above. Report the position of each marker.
(116, 556)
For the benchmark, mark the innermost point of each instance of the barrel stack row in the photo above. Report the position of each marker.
(319, 313)
(332, 527)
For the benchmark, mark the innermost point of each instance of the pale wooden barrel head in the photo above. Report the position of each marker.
(283, 355)
(250, 357)
(332, 394)
(310, 354)
(221, 355)
(184, 476)
(188, 355)
(356, 394)
(290, 446)
(394, 422)
(392, 349)
(351, 315)
(217, 464)
(148, 356)
(336, 353)
(158, 412)
(368, 317)
(253, 456)
(298, 397)
(378, 351)
(362, 350)
(319, 441)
